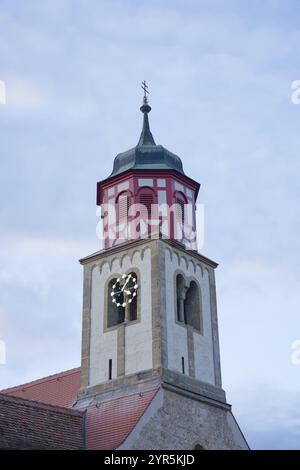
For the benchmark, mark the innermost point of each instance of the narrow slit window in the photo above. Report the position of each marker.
(180, 296)
(110, 369)
(182, 365)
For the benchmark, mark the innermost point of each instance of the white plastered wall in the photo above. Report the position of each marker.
(177, 334)
(138, 336)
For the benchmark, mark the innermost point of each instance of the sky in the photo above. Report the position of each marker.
(220, 76)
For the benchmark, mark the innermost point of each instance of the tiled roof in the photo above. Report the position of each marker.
(110, 421)
(110, 417)
(59, 389)
(26, 424)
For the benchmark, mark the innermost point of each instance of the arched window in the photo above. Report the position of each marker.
(180, 291)
(115, 315)
(146, 198)
(180, 202)
(122, 205)
(123, 202)
(125, 293)
(146, 201)
(131, 312)
(199, 447)
(192, 306)
(188, 303)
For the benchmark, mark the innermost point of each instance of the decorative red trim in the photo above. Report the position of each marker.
(106, 183)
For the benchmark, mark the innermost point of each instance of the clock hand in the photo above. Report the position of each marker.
(117, 292)
(124, 284)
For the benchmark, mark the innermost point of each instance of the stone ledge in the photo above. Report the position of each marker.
(131, 244)
(196, 396)
(119, 382)
(194, 386)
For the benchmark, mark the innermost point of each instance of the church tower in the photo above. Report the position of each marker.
(149, 307)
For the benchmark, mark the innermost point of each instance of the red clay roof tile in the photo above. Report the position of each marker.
(108, 420)
(108, 423)
(58, 389)
(26, 424)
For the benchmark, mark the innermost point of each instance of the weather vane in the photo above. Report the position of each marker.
(145, 88)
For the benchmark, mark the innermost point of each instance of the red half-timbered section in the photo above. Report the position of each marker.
(148, 203)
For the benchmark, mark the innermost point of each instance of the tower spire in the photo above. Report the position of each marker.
(146, 137)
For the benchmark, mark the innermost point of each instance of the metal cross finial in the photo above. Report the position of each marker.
(145, 88)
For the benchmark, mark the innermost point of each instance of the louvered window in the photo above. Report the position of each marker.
(180, 210)
(146, 199)
(123, 204)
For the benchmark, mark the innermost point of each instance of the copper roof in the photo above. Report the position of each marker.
(146, 154)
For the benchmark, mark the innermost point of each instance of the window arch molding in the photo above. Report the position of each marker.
(188, 303)
(123, 193)
(149, 188)
(179, 195)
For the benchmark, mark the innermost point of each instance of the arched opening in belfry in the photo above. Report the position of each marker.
(115, 312)
(192, 306)
(122, 302)
(131, 307)
(180, 294)
(188, 303)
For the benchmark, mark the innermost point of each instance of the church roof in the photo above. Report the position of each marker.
(59, 389)
(27, 424)
(146, 154)
(111, 417)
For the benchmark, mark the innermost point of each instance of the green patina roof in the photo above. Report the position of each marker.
(146, 154)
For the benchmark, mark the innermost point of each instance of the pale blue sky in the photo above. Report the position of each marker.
(220, 75)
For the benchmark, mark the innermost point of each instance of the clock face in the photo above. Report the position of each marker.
(124, 290)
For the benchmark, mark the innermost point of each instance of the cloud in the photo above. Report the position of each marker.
(2, 92)
(23, 94)
(252, 269)
(269, 414)
(54, 247)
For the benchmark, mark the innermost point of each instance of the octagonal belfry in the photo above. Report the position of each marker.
(150, 176)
